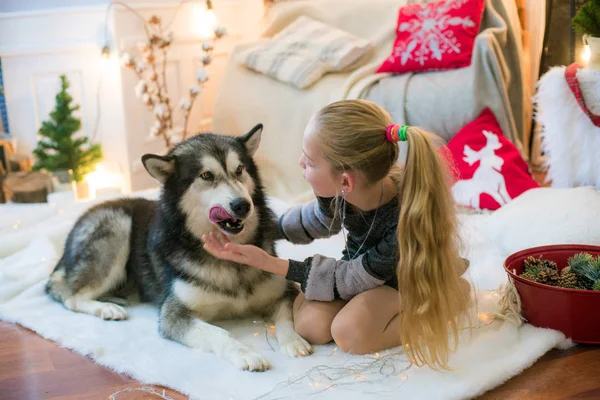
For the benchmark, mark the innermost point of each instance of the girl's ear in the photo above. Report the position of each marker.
(347, 181)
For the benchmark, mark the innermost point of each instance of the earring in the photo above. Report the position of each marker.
(344, 192)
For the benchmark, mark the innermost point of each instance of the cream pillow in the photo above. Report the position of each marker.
(304, 51)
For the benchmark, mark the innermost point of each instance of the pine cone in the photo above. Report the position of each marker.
(528, 276)
(568, 280)
(533, 265)
(553, 275)
(548, 276)
(542, 277)
(584, 283)
(550, 264)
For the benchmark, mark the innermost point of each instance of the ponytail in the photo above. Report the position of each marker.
(433, 297)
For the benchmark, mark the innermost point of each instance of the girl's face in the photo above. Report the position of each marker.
(317, 170)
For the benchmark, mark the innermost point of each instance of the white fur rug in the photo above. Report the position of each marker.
(31, 239)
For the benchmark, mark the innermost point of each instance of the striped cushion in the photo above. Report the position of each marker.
(303, 52)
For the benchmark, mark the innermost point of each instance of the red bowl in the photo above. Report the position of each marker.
(576, 313)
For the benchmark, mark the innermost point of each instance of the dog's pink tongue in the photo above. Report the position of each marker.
(218, 214)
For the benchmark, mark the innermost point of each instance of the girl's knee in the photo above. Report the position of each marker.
(349, 334)
(312, 328)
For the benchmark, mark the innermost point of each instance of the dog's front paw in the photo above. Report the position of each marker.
(110, 311)
(295, 346)
(249, 361)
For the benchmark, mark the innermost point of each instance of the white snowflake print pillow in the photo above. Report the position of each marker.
(434, 36)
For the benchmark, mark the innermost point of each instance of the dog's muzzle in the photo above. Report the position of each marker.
(232, 224)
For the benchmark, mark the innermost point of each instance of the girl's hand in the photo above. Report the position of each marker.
(220, 247)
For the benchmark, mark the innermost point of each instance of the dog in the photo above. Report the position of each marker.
(152, 250)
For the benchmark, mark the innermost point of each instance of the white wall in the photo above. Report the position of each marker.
(37, 46)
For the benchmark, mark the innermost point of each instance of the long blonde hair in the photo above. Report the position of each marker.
(433, 297)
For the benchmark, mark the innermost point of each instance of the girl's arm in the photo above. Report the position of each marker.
(325, 278)
(305, 222)
(321, 278)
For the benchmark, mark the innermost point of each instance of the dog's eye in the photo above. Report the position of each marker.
(239, 170)
(207, 176)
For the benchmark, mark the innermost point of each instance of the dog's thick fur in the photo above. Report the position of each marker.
(153, 251)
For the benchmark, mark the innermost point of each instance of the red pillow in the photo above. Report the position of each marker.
(434, 36)
(490, 169)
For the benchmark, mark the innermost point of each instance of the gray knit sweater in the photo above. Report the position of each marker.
(323, 278)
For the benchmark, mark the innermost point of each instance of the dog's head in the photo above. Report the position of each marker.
(212, 179)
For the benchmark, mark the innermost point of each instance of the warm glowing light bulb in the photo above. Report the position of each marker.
(210, 19)
(586, 53)
(204, 20)
(105, 180)
(105, 53)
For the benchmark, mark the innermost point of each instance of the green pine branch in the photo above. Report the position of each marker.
(587, 19)
(585, 265)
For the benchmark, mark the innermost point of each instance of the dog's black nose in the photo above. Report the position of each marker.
(241, 207)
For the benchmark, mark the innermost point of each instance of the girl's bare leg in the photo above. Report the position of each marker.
(312, 319)
(369, 322)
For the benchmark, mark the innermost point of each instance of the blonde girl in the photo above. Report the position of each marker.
(398, 281)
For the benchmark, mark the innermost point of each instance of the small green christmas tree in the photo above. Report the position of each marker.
(58, 149)
(587, 19)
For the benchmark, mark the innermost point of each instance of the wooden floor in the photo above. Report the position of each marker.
(33, 368)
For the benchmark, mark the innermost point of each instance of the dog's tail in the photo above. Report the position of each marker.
(57, 286)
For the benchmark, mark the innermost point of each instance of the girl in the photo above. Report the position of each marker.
(402, 241)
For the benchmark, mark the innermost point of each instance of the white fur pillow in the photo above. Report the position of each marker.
(545, 216)
(304, 51)
(570, 140)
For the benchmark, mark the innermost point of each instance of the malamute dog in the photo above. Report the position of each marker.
(153, 249)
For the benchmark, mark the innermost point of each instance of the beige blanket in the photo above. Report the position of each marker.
(247, 97)
(443, 102)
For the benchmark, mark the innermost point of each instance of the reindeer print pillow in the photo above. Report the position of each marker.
(489, 170)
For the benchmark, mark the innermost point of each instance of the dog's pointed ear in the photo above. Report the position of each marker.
(159, 167)
(252, 139)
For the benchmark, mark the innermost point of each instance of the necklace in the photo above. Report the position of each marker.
(370, 228)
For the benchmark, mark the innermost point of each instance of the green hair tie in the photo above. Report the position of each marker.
(396, 133)
(402, 133)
